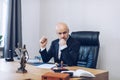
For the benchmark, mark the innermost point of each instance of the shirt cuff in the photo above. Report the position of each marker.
(63, 47)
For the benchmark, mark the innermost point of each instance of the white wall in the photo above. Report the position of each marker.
(40, 17)
(31, 25)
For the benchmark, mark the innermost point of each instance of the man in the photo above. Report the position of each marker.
(64, 49)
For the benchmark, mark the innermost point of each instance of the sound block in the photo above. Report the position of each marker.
(55, 76)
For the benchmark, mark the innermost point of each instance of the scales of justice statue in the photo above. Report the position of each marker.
(23, 55)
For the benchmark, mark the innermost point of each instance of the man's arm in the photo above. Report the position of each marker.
(43, 51)
(47, 55)
(44, 55)
(70, 54)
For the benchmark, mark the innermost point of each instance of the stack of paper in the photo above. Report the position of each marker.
(45, 65)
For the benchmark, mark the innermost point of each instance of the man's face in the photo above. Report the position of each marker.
(62, 32)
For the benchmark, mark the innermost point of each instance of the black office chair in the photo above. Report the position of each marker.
(89, 47)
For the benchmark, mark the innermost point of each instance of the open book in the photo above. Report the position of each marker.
(79, 73)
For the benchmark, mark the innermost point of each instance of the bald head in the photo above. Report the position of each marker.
(62, 26)
(62, 30)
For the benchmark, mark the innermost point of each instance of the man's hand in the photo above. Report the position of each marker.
(62, 42)
(43, 42)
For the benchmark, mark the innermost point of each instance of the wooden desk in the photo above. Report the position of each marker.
(8, 72)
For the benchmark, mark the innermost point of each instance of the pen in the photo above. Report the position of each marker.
(61, 64)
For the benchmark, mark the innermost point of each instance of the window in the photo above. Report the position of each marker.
(1, 13)
(3, 19)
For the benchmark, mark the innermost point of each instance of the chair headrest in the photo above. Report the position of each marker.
(86, 37)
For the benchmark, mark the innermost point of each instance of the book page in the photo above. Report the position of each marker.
(83, 73)
(79, 73)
